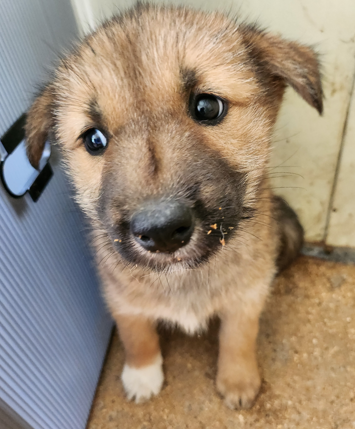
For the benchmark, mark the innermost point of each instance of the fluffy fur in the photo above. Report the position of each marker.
(133, 79)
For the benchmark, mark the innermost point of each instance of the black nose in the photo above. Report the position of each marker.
(163, 226)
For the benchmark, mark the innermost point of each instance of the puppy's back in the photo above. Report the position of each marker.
(290, 232)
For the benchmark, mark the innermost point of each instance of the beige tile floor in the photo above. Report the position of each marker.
(306, 355)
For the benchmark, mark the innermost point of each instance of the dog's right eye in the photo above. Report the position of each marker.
(95, 141)
(207, 109)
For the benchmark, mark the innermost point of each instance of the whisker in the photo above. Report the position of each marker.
(250, 233)
(286, 173)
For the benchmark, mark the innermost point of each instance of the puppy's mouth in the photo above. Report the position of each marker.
(172, 237)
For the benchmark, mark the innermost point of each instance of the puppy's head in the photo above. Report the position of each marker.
(164, 116)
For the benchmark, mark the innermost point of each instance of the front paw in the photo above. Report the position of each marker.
(142, 383)
(239, 385)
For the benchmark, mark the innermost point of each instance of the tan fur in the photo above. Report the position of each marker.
(238, 378)
(139, 338)
(133, 77)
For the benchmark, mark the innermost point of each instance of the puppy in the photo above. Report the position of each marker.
(164, 116)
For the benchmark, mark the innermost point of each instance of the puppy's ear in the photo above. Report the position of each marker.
(39, 124)
(297, 65)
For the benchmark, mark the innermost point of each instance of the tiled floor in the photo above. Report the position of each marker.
(306, 355)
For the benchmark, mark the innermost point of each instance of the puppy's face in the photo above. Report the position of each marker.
(164, 117)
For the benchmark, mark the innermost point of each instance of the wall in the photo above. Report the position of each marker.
(341, 228)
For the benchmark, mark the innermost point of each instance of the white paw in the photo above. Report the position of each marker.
(141, 383)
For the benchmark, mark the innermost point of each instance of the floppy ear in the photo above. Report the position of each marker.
(39, 123)
(297, 65)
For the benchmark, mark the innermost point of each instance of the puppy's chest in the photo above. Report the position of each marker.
(188, 301)
(189, 298)
(190, 311)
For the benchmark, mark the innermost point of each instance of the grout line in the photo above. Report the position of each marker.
(340, 155)
(344, 255)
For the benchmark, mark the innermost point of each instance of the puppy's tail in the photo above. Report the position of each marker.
(290, 233)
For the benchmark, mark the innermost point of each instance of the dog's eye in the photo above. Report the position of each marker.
(207, 108)
(94, 140)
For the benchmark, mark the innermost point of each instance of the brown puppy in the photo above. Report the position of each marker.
(165, 116)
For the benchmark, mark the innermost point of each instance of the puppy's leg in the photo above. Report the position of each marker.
(142, 374)
(238, 378)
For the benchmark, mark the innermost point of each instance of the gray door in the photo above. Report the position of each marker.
(54, 328)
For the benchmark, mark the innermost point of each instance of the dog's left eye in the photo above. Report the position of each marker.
(95, 141)
(207, 108)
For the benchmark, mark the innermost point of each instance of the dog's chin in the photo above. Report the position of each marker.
(186, 258)
(170, 264)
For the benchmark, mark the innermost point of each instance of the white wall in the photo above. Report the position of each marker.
(341, 230)
(306, 146)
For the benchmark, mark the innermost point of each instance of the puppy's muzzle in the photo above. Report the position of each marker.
(163, 226)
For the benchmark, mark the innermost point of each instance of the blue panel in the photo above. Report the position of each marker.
(54, 328)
